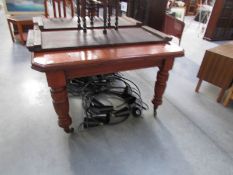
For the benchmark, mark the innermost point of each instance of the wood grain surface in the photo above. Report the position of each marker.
(46, 24)
(217, 66)
(129, 56)
(74, 39)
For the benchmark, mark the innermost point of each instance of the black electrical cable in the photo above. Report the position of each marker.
(113, 85)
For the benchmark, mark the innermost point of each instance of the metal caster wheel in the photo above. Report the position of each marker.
(136, 112)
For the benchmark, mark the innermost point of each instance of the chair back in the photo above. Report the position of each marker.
(59, 8)
(173, 26)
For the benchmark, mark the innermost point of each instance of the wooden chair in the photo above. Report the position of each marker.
(173, 26)
(59, 8)
(229, 97)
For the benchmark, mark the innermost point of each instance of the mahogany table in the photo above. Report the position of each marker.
(60, 66)
(19, 22)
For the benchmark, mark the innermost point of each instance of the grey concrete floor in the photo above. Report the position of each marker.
(193, 134)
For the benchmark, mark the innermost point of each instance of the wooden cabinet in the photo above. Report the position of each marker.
(220, 26)
(150, 12)
(217, 68)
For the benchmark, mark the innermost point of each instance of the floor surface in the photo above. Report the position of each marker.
(193, 134)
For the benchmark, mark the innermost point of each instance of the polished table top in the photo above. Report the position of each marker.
(21, 17)
(83, 57)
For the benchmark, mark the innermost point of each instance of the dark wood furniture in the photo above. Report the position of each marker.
(18, 26)
(59, 8)
(150, 12)
(217, 68)
(52, 24)
(92, 52)
(173, 26)
(87, 17)
(79, 39)
(220, 26)
(59, 66)
(229, 97)
(69, 54)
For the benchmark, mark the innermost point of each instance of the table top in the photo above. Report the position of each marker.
(71, 23)
(224, 50)
(74, 39)
(141, 53)
(21, 17)
(217, 66)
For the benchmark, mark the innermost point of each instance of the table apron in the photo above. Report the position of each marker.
(105, 68)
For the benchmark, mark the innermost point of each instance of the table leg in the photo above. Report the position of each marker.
(160, 85)
(220, 96)
(20, 30)
(11, 32)
(198, 85)
(228, 98)
(57, 82)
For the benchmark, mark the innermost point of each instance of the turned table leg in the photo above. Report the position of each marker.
(160, 85)
(57, 82)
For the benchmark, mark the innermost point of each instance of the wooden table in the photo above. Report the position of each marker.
(64, 55)
(19, 22)
(60, 66)
(217, 68)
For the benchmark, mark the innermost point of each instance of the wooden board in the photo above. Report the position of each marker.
(47, 24)
(76, 39)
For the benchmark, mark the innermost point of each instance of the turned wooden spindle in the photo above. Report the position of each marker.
(105, 16)
(109, 12)
(117, 13)
(84, 15)
(91, 11)
(78, 14)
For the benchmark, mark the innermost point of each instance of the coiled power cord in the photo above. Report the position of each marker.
(107, 99)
